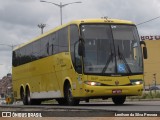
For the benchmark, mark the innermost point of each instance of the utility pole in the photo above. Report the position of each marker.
(41, 26)
(61, 6)
(155, 81)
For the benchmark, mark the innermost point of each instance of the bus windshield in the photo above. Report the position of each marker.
(111, 49)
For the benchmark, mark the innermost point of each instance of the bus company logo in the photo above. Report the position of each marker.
(6, 114)
(21, 114)
(116, 82)
(150, 37)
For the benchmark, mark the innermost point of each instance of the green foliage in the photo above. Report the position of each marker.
(153, 94)
(156, 95)
(147, 95)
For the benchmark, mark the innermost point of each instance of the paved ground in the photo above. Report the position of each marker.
(128, 106)
(88, 110)
(88, 118)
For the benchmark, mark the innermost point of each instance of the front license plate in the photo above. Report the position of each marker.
(116, 91)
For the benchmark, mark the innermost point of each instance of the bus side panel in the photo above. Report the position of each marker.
(39, 75)
(65, 71)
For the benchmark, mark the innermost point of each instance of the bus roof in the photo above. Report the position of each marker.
(105, 20)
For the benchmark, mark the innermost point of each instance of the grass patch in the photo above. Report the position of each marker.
(151, 95)
(147, 95)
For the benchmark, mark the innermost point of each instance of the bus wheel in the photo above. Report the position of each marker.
(28, 98)
(68, 96)
(32, 101)
(119, 100)
(25, 100)
(23, 96)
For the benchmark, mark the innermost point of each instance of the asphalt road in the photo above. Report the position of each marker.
(127, 106)
(91, 109)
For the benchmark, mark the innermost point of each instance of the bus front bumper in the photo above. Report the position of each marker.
(91, 91)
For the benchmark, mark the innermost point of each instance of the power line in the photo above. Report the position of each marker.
(148, 20)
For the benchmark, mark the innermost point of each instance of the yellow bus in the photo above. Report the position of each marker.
(82, 60)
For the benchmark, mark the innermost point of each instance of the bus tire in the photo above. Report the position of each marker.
(70, 100)
(118, 100)
(23, 96)
(28, 97)
(24, 99)
(31, 101)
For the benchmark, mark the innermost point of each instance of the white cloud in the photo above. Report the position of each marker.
(5, 63)
(19, 18)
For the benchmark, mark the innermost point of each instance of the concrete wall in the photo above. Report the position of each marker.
(152, 64)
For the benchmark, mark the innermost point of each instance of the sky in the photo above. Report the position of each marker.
(19, 19)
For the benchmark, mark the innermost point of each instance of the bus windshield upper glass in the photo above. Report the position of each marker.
(111, 49)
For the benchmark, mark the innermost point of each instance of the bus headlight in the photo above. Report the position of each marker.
(92, 83)
(136, 82)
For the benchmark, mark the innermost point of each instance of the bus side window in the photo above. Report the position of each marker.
(63, 39)
(36, 50)
(14, 59)
(74, 41)
(44, 47)
(23, 55)
(53, 43)
(77, 58)
(29, 53)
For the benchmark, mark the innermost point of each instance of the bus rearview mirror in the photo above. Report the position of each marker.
(145, 53)
(145, 56)
(81, 49)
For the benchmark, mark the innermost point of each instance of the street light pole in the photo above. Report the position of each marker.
(41, 26)
(60, 6)
(155, 82)
(61, 12)
(11, 46)
(8, 45)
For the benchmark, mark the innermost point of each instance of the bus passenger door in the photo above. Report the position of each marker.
(77, 76)
(78, 66)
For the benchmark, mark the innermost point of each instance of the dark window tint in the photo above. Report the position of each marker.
(16, 58)
(44, 50)
(36, 50)
(53, 43)
(28, 53)
(63, 39)
(74, 37)
(22, 55)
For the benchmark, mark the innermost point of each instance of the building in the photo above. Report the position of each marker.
(6, 86)
(152, 64)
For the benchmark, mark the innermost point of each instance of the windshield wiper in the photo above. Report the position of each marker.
(121, 57)
(108, 61)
